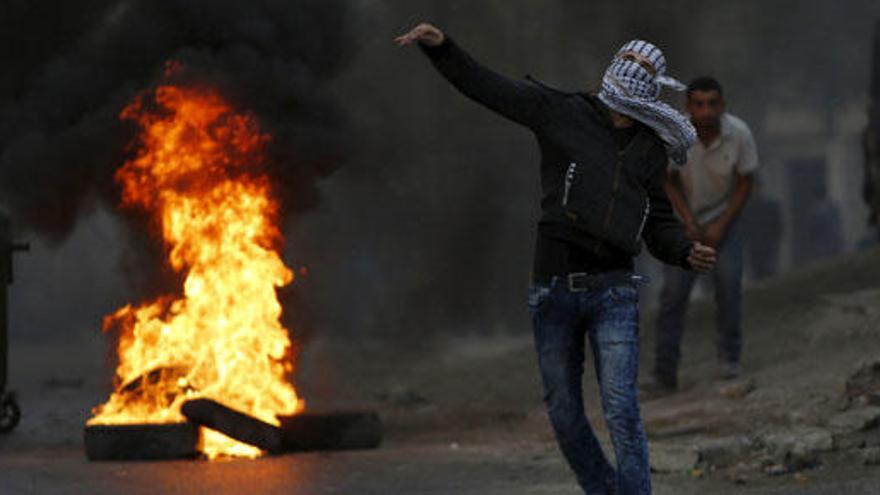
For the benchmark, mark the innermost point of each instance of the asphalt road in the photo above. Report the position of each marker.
(476, 430)
(427, 470)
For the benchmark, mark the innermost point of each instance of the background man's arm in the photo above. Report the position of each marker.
(716, 230)
(747, 164)
(664, 234)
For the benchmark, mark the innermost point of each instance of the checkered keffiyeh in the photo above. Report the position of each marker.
(632, 90)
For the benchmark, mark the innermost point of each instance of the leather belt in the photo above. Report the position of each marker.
(583, 281)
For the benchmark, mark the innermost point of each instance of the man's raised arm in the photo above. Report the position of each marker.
(520, 101)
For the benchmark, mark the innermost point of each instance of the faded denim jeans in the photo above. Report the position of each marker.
(605, 315)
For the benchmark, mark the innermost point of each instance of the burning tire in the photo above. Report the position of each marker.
(200, 170)
(332, 431)
(141, 442)
(234, 424)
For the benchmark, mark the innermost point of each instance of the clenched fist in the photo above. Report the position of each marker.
(424, 33)
(702, 258)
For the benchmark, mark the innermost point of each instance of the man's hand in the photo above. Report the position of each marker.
(713, 234)
(424, 33)
(701, 258)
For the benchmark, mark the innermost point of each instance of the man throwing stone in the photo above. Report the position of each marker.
(602, 173)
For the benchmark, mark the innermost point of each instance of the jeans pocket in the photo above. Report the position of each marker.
(538, 294)
(624, 293)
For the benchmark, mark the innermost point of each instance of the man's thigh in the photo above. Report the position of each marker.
(615, 338)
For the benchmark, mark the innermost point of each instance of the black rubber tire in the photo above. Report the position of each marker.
(234, 424)
(356, 430)
(146, 442)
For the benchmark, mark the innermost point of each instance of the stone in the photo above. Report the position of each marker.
(740, 474)
(736, 389)
(849, 442)
(855, 420)
(776, 470)
(801, 479)
(724, 451)
(805, 417)
(864, 382)
(798, 446)
(870, 456)
(673, 458)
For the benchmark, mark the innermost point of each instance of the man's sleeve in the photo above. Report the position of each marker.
(664, 234)
(521, 101)
(748, 152)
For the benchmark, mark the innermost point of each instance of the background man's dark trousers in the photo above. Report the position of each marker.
(674, 297)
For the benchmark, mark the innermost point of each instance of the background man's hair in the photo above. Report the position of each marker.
(705, 83)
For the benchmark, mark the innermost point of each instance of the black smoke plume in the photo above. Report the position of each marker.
(70, 67)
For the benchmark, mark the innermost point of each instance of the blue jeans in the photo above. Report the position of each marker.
(607, 316)
(674, 297)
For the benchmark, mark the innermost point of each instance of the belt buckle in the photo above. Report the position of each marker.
(571, 277)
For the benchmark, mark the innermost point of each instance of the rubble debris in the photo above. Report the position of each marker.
(798, 447)
(142, 442)
(870, 456)
(849, 441)
(740, 474)
(672, 458)
(807, 415)
(855, 420)
(801, 478)
(738, 388)
(776, 470)
(863, 385)
(723, 451)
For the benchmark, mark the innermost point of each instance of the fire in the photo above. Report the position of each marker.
(197, 172)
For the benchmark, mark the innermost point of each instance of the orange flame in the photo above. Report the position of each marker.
(197, 173)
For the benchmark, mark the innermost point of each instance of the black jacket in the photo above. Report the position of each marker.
(594, 196)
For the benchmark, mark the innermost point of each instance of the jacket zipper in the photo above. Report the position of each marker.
(569, 178)
(618, 166)
(644, 217)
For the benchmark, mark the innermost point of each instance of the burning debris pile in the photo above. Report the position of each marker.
(233, 133)
(218, 355)
(199, 175)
